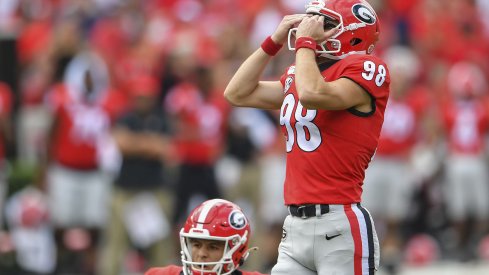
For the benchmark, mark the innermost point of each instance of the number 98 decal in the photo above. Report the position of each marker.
(305, 131)
(370, 70)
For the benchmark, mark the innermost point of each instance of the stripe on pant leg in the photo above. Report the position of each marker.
(370, 239)
(357, 239)
(365, 225)
(363, 238)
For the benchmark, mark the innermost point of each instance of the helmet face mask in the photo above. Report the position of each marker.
(330, 22)
(217, 223)
(356, 23)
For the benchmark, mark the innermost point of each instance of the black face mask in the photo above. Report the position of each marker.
(328, 25)
(329, 22)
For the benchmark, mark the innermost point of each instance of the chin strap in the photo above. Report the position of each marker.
(247, 254)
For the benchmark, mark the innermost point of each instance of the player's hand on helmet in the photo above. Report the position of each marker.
(288, 22)
(314, 27)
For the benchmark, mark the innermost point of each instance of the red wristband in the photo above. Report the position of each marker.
(305, 42)
(270, 47)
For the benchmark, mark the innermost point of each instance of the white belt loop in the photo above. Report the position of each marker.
(318, 210)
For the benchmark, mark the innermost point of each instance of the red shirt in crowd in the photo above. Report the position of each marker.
(5, 110)
(402, 124)
(466, 124)
(200, 123)
(79, 127)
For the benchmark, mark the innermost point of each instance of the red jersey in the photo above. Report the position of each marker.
(200, 126)
(401, 129)
(328, 151)
(466, 124)
(177, 270)
(78, 131)
(5, 110)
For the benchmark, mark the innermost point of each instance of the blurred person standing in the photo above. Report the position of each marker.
(140, 200)
(390, 181)
(5, 142)
(250, 174)
(43, 64)
(31, 232)
(199, 115)
(332, 103)
(272, 163)
(465, 117)
(11, 27)
(6, 137)
(77, 186)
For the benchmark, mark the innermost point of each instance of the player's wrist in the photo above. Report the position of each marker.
(305, 42)
(270, 47)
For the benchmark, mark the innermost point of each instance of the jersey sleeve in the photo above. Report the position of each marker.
(370, 72)
(288, 71)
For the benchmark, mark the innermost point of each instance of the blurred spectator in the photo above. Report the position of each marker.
(251, 173)
(31, 233)
(466, 123)
(140, 198)
(77, 186)
(5, 141)
(45, 49)
(199, 114)
(33, 115)
(272, 163)
(390, 171)
(37, 31)
(442, 35)
(179, 66)
(10, 28)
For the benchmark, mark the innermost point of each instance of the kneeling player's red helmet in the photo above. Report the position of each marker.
(217, 220)
(357, 23)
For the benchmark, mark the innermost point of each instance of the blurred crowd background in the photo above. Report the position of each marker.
(113, 127)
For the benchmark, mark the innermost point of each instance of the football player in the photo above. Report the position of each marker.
(465, 126)
(214, 241)
(332, 102)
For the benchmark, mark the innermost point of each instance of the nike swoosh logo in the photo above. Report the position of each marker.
(331, 237)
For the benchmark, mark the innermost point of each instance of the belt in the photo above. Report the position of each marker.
(308, 210)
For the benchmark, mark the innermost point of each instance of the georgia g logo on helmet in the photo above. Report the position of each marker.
(363, 13)
(237, 220)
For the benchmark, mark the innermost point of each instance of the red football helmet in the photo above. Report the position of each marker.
(357, 23)
(219, 220)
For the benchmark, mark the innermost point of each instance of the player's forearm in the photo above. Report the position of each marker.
(245, 80)
(309, 81)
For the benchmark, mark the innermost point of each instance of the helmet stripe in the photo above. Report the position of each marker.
(205, 211)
